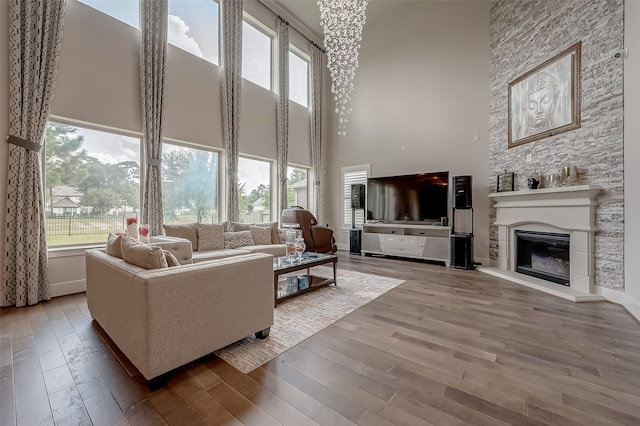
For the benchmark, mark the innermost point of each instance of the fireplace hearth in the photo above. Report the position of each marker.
(543, 255)
(565, 212)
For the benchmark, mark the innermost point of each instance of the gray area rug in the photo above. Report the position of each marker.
(302, 316)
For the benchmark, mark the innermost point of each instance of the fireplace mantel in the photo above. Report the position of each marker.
(567, 209)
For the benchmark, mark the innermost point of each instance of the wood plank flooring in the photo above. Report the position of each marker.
(447, 347)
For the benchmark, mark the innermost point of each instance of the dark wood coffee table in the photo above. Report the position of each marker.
(283, 265)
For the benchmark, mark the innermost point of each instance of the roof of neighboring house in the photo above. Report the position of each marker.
(65, 191)
(299, 184)
(65, 203)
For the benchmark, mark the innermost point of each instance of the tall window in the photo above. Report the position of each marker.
(297, 187)
(127, 11)
(193, 26)
(352, 175)
(92, 183)
(189, 184)
(298, 79)
(256, 55)
(254, 187)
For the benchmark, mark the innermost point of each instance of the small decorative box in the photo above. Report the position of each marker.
(303, 282)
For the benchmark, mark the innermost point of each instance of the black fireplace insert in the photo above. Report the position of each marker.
(543, 255)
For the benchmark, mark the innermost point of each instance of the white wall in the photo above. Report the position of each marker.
(632, 152)
(422, 83)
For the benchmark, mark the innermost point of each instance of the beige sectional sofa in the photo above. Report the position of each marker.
(221, 240)
(164, 318)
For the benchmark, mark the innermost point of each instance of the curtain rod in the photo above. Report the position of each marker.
(291, 26)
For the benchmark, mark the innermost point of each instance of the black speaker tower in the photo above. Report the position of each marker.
(462, 236)
(357, 196)
(357, 202)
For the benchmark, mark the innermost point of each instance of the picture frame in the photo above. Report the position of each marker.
(505, 182)
(546, 100)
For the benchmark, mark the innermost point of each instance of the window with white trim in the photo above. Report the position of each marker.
(298, 78)
(190, 185)
(193, 27)
(256, 53)
(254, 190)
(127, 11)
(353, 175)
(91, 183)
(297, 187)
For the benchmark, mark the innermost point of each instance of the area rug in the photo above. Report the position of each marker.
(300, 317)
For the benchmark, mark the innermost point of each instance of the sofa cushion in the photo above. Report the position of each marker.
(142, 255)
(238, 226)
(275, 237)
(183, 230)
(201, 256)
(237, 239)
(210, 236)
(260, 234)
(275, 250)
(171, 259)
(114, 245)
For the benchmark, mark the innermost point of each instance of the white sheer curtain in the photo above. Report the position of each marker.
(35, 38)
(316, 123)
(231, 64)
(153, 65)
(282, 109)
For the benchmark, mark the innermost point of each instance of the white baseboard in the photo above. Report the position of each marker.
(629, 303)
(68, 287)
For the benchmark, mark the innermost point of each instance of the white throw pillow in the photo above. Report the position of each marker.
(114, 245)
(238, 239)
(275, 238)
(142, 255)
(210, 237)
(187, 231)
(261, 234)
(171, 259)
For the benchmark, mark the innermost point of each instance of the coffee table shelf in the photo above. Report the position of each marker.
(282, 265)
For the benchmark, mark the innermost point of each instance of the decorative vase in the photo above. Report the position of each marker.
(290, 240)
(299, 247)
(143, 230)
(132, 230)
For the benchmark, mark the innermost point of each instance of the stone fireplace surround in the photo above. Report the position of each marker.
(566, 210)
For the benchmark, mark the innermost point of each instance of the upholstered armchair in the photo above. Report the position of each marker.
(317, 238)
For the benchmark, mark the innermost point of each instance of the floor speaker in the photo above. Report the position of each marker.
(462, 192)
(357, 196)
(355, 241)
(462, 251)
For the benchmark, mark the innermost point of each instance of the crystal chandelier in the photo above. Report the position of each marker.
(342, 21)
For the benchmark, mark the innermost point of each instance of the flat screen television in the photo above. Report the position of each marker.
(420, 198)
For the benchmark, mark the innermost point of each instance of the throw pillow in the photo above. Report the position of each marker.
(142, 255)
(238, 226)
(210, 237)
(275, 238)
(188, 231)
(114, 245)
(261, 234)
(237, 239)
(171, 259)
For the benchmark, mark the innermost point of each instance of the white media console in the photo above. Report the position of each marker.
(429, 242)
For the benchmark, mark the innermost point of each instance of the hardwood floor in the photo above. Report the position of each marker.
(447, 347)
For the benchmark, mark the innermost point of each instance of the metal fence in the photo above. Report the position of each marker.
(84, 225)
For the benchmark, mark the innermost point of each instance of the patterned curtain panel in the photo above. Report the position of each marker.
(153, 63)
(282, 109)
(231, 64)
(35, 37)
(316, 122)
